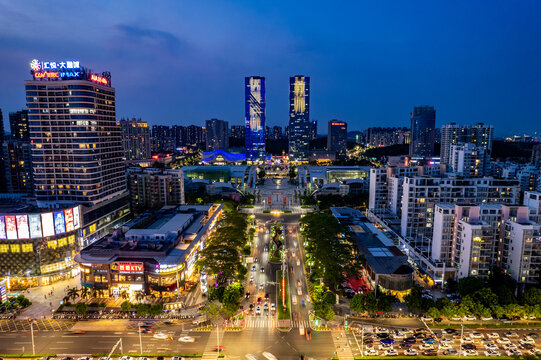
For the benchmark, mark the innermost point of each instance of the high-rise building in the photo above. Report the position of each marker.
(254, 94)
(179, 133)
(217, 132)
(18, 123)
(135, 139)
(277, 132)
(423, 121)
(299, 118)
(337, 137)
(268, 133)
(453, 134)
(163, 139)
(536, 155)
(469, 160)
(313, 129)
(76, 144)
(155, 188)
(2, 173)
(238, 131)
(194, 135)
(378, 136)
(17, 158)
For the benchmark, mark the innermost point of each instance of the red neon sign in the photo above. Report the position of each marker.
(99, 79)
(47, 74)
(130, 268)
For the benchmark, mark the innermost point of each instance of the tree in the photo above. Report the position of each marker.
(142, 309)
(433, 312)
(384, 304)
(231, 299)
(292, 172)
(532, 296)
(370, 303)
(357, 303)
(139, 296)
(81, 308)
(156, 309)
(85, 292)
(126, 306)
(124, 295)
(486, 297)
(73, 293)
(505, 296)
(212, 310)
(469, 285)
(261, 174)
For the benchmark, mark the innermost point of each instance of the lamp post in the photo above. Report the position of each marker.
(461, 338)
(31, 321)
(140, 340)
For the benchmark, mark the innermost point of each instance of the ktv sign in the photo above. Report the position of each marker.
(128, 268)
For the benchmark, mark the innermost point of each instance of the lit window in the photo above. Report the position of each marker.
(15, 248)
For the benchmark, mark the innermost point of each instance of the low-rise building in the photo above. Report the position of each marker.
(153, 188)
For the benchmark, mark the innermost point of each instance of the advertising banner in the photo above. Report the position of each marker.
(47, 224)
(11, 228)
(76, 218)
(22, 226)
(35, 226)
(2, 228)
(59, 222)
(69, 219)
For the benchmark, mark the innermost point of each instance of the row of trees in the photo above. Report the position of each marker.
(369, 303)
(330, 250)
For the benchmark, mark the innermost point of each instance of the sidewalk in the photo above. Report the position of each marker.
(47, 298)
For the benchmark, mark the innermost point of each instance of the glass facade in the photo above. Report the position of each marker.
(300, 127)
(423, 121)
(254, 120)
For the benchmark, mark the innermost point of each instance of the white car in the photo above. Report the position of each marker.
(511, 334)
(477, 335)
(299, 291)
(258, 310)
(492, 353)
(160, 336)
(250, 357)
(513, 353)
(273, 307)
(385, 346)
(493, 347)
(446, 341)
(269, 356)
(444, 346)
(399, 335)
(126, 358)
(486, 318)
(142, 358)
(186, 339)
(527, 340)
(503, 340)
(510, 347)
(470, 318)
(253, 267)
(301, 330)
(456, 319)
(390, 352)
(469, 353)
(371, 352)
(294, 299)
(493, 335)
(410, 352)
(426, 347)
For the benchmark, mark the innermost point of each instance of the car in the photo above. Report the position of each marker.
(186, 339)
(491, 347)
(266, 306)
(430, 353)
(85, 358)
(78, 332)
(298, 262)
(450, 352)
(371, 352)
(420, 336)
(493, 335)
(251, 307)
(390, 352)
(446, 341)
(533, 335)
(299, 291)
(261, 286)
(487, 318)
(469, 347)
(492, 353)
(160, 336)
(527, 346)
(410, 340)
(142, 358)
(399, 335)
(429, 340)
(301, 330)
(444, 346)
(426, 347)
(456, 318)
(487, 341)
(273, 307)
(513, 353)
(467, 339)
(253, 267)
(255, 259)
(103, 358)
(385, 346)
(410, 352)
(511, 334)
(262, 269)
(251, 279)
(470, 318)
(125, 358)
(294, 300)
(269, 356)
(387, 341)
(247, 295)
(258, 310)
(299, 283)
(266, 248)
(250, 357)
(477, 335)
(259, 300)
(426, 318)
(503, 340)
(450, 331)
(470, 353)
(382, 335)
(510, 347)
(216, 348)
(405, 346)
(527, 340)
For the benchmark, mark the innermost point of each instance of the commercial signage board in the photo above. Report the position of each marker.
(2, 228)
(22, 226)
(11, 227)
(47, 223)
(68, 213)
(59, 222)
(128, 267)
(35, 226)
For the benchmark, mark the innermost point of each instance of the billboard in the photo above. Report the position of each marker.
(22, 226)
(128, 267)
(68, 213)
(59, 222)
(76, 218)
(2, 228)
(11, 228)
(35, 226)
(47, 224)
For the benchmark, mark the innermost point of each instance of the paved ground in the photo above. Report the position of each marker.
(47, 298)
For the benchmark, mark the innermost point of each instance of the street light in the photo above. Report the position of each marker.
(31, 321)
(140, 340)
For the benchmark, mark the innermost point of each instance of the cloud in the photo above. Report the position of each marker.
(158, 38)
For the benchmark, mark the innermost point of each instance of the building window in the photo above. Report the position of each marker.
(4, 248)
(15, 248)
(27, 247)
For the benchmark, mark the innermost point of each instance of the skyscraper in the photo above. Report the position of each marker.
(135, 139)
(453, 134)
(299, 118)
(313, 130)
(337, 137)
(163, 139)
(194, 135)
(217, 134)
(254, 94)
(179, 133)
(17, 166)
(423, 120)
(238, 131)
(76, 145)
(18, 124)
(276, 132)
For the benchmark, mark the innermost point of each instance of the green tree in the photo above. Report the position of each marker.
(142, 309)
(139, 296)
(126, 306)
(156, 309)
(81, 308)
(505, 296)
(370, 303)
(469, 285)
(85, 292)
(486, 297)
(532, 296)
(433, 312)
(212, 310)
(384, 304)
(357, 303)
(73, 293)
(414, 299)
(231, 299)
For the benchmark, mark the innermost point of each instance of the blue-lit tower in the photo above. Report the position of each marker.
(254, 119)
(300, 127)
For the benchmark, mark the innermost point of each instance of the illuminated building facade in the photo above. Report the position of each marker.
(337, 137)
(300, 127)
(254, 120)
(18, 123)
(217, 133)
(135, 139)
(423, 120)
(77, 154)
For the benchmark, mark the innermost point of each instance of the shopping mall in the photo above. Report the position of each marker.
(37, 247)
(155, 252)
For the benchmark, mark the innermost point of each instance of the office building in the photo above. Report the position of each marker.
(76, 144)
(423, 121)
(300, 127)
(163, 139)
(18, 123)
(155, 253)
(469, 160)
(179, 132)
(536, 155)
(452, 134)
(337, 137)
(194, 135)
(217, 133)
(17, 156)
(313, 129)
(238, 132)
(2, 173)
(254, 120)
(153, 188)
(135, 139)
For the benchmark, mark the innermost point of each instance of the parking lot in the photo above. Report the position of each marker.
(379, 341)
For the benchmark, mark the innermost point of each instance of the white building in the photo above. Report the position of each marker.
(453, 134)
(469, 160)
(521, 253)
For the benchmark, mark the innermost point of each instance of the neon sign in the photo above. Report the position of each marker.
(99, 79)
(37, 65)
(47, 75)
(128, 268)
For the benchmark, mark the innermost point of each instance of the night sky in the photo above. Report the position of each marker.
(181, 62)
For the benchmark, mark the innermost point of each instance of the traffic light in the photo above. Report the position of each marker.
(346, 325)
(316, 322)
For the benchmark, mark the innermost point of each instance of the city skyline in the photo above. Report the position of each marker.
(481, 71)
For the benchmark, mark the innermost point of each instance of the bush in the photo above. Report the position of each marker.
(126, 306)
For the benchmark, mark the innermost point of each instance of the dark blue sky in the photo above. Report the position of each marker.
(181, 62)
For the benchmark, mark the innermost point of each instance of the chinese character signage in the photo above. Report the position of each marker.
(128, 268)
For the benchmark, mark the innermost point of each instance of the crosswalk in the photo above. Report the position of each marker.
(257, 321)
(300, 323)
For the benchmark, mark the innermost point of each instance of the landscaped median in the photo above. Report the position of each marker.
(283, 314)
